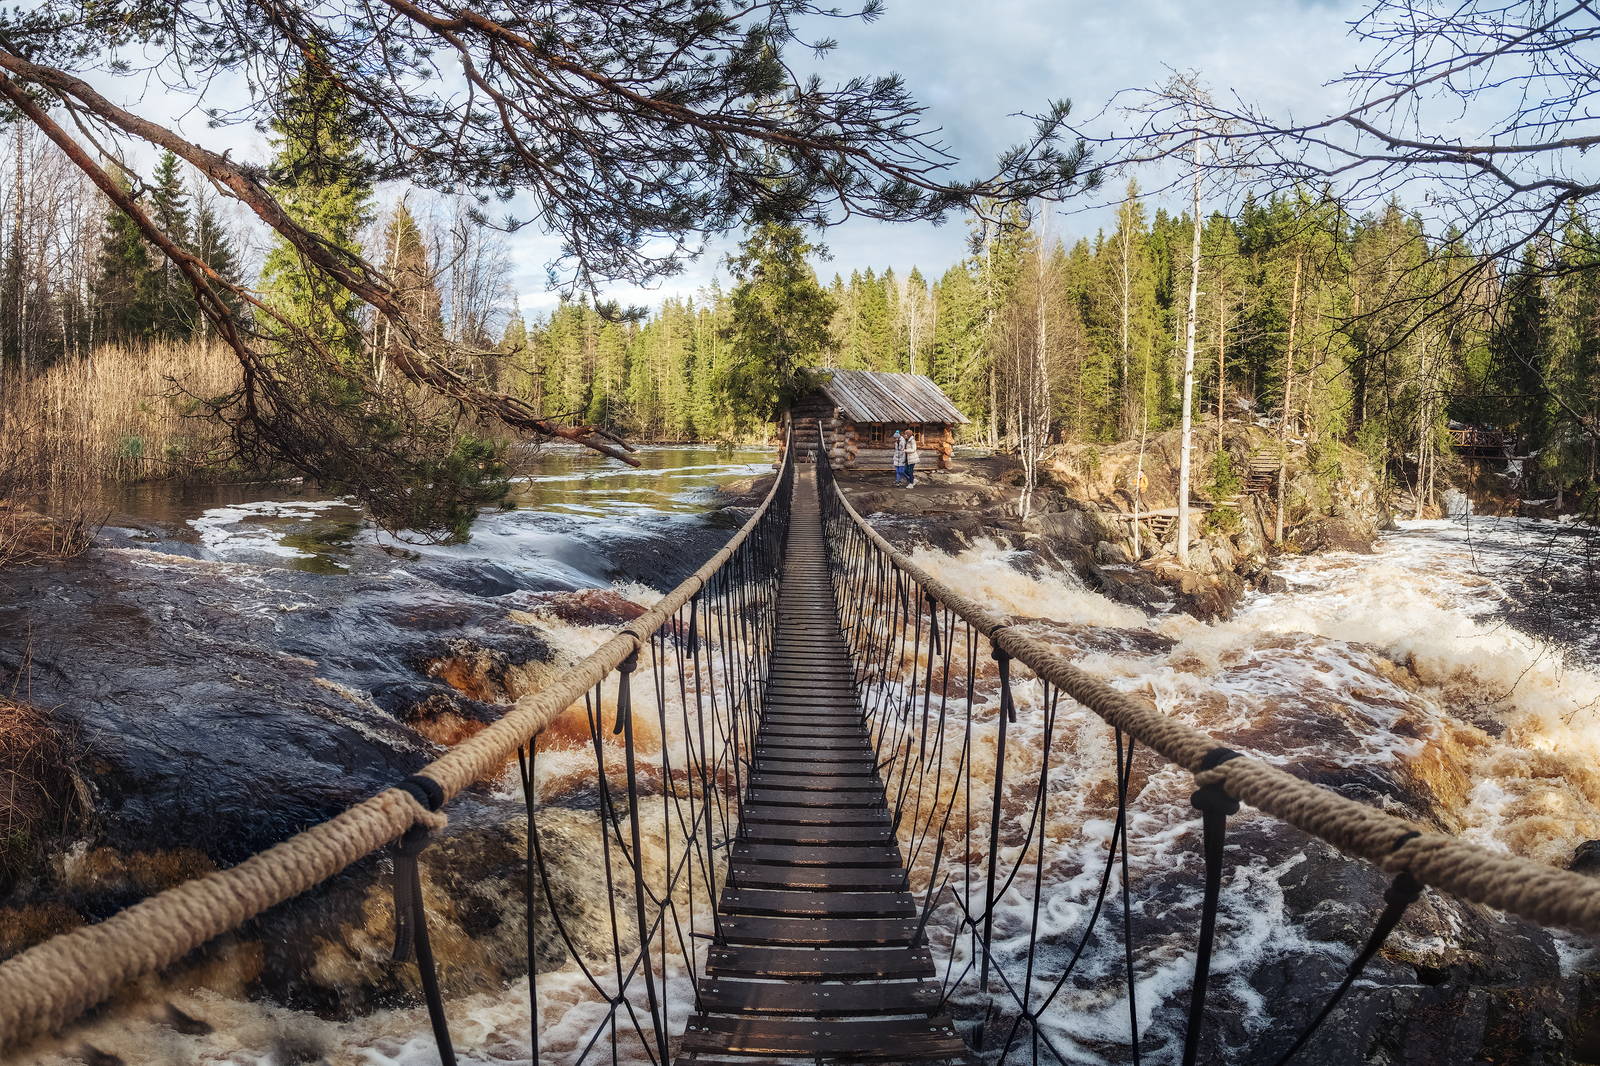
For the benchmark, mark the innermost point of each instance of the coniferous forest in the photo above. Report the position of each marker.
(1358, 324)
(1377, 333)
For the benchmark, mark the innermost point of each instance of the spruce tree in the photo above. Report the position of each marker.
(322, 179)
(406, 261)
(212, 243)
(128, 284)
(779, 324)
(169, 209)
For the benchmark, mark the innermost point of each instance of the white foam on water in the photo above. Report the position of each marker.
(258, 528)
(1382, 661)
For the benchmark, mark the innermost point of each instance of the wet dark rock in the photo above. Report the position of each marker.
(225, 707)
(1076, 526)
(1586, 858)
(1335, 534)
(746, 492)
(497, 670)
(591, 607)
(331, 953)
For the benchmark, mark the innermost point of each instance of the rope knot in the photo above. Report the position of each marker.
(428, 797)
(1210, 797)
(1213, 799)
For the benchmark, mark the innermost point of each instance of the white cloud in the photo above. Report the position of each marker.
(976, 67)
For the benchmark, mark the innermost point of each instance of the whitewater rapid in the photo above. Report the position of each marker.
(1400, 666)
(1394, 677)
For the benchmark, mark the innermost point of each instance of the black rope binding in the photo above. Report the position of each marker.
(410, 913)
(1214, 805)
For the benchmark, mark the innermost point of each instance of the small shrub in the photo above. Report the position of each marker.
(39, 797)
(1226, 481)
(1223, 521)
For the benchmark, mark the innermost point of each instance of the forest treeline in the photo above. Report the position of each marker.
(1361, 327)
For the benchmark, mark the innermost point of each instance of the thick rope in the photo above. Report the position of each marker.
(47, 986)
(1531, 890)
(43, 988)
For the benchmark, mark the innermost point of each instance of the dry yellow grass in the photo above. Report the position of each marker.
(38, 794)
(123, 414)
(28, 537)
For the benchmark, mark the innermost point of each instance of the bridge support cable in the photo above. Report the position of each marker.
(976, 776)
(643, 771)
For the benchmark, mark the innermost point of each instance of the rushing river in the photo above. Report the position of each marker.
(1442, 678)
(568, 524)
(1408, 679)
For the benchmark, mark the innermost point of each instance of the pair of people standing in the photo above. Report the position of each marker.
(905, 457)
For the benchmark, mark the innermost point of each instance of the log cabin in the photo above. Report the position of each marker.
(857, 411)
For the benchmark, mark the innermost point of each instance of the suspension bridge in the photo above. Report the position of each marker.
(820, 786)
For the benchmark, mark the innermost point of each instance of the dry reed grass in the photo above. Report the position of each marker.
(121, 414)
(39, 795)
(28, 537)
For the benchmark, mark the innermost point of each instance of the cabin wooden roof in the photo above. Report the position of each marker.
(869, 396)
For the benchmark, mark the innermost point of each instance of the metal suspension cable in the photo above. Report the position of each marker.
(1470, 872)
(986, 815)
(46, 987)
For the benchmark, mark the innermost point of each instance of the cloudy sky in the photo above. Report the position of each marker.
(976, 64)
(976, 71)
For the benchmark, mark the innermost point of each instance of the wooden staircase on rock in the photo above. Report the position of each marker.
(1261, 477)
(818, 956)
(1160, 525)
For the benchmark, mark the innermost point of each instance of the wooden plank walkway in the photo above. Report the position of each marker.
(817, 957)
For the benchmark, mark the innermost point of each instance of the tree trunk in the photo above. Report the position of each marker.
(1288, 399)
(1186, 433)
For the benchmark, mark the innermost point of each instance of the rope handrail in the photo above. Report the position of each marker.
(1531, 890)
(49, 985)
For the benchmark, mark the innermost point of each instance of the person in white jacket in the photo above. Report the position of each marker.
(899, 458)
(909, 441)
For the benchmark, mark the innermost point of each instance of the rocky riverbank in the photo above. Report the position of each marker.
(200, 684)
(1082, 515)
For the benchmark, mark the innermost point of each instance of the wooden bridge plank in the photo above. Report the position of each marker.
(727, 995)
(818, 836)
(785, 903)
(794, 854)
(814, 878)
(867, 786)
(814, 776)
(817, 932)
(816, 964)
(815, 892)
(881, 1039)
(793, 815)
(773, 797)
